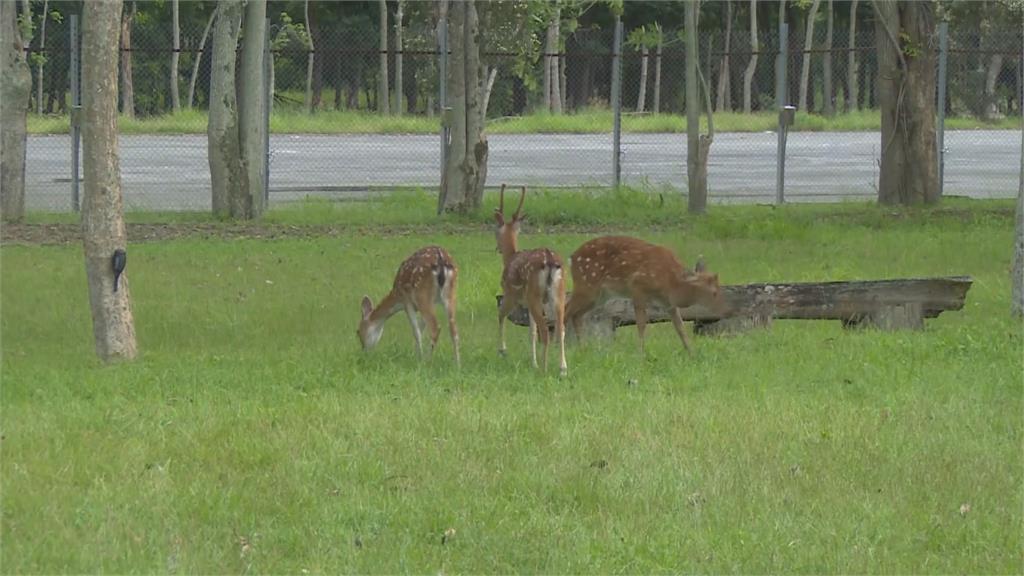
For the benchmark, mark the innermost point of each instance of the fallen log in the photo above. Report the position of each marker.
(884, 304)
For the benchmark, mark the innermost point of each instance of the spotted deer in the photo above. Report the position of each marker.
(532, 278)
(627, 267)
(425, 279)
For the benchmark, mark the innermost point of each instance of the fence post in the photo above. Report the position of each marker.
(76, 109)
(617, 104)
(781, 85)
(268, 101)
(442, 96)
(941, 129)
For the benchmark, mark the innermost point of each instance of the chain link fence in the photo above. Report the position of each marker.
(329, 140)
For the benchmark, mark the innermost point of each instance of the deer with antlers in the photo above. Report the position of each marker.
(621, 266)
(426, 278)
(533, 278)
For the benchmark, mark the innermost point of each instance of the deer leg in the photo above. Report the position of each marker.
(538, 328)
(448, 301)
(426, 307)
(640, 307)
(578, 305)
(507, 305)
(410, 311)
(563, 368)
(677, 322)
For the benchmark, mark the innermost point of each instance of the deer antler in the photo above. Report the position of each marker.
(520, 207)
(501, 201)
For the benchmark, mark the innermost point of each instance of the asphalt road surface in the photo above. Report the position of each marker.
(172, 172)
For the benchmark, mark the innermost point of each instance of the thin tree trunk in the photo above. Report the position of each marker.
(657, 74)
(553, 34)
(39, 66)
(399, 94)
(15, 91)
(127, 82)
(724, 76)
(382, 77)
(175, 53)
(563, 80)
(196, 61)
(906, 92)
(805, 70)
(696, 161)
(748, 74)
(250, 201)
(308, 100)
(491, 75)
(826, 65)
(103, 230)
(852, 90)
(546, 85)
(228, 178)
(995, 65)
(641, 97)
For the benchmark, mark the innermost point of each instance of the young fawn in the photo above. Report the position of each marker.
(426, 278)
(630, 267)
(533, 278)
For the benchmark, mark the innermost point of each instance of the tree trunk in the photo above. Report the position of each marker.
(563, 81)
(316, 38)
(553, 34)
(826, 65)
(1017, 305)
(488, 87)
(657, 74)
(748, 74)
(15, 92)
(103, 229)
(641, 97)
(995, 65)
(546, 85)
(906, 94)
(39, 66)
(228, 177)
(382, 76)
(310, 47)
(851, 62)
(127, 83)
(466, 169)
(399, 68)
(198, 59)
(724, 100)
(175, 53)
(250, 202)
(697, 146)
(805, 70)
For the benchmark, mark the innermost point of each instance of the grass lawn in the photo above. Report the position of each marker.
(254, 435)
(288, 121)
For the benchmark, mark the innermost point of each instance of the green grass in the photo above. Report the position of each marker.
(290, 121)
(254, 435)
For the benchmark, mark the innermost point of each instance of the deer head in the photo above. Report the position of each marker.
(705, 288)
(508, 229)
(369, 332)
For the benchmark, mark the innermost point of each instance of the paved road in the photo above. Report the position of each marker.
(171, 172)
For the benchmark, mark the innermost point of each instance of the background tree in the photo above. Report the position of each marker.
(16, 32)
(175, 53)
(805, 69)
(643, 39)
(851, 61)
(827, 107)
(906, 93)
(127, 81)
(198, 58)
(39, 58)
(748, 74)
(382, 78)
(698, 145)
(399, 49)
(724, 101)
(465, 172)
(103, 230)
(310, 57)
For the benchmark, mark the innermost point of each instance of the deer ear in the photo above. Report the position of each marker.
(499, 218)
(700, 267)
(367, 307)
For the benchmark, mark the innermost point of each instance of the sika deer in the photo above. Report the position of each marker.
(426, 278)
(630, 267)
(533, 278)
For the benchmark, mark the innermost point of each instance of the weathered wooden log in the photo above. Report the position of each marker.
(884, 304)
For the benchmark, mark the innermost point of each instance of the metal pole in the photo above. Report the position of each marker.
(617, 104)
(781, 84)
(941, 141)
(76, 109)
(268, 101)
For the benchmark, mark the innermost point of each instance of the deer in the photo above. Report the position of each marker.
(426, 278)
(622, 266)
(532, 278)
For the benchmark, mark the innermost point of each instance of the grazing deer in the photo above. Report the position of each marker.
(426, 278)
(629, 267)
(533, 278)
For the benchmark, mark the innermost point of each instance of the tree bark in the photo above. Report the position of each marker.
(103, 229)
(491, 74)
(228, 177)
(698, 145)
(995, 65)
(127, 83)
(382, 75)
(906, 92)
(399, 94)
(641, 97)
(555, 100)
(250, 202)
(309, 59)
(826, 65)
(724, 99)
(657, 73)
(198, 59)
(748, 74)
(466, 168)
(805, 70)
(175, 53)
(15, 92)
(852, 90)
(39, 66)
